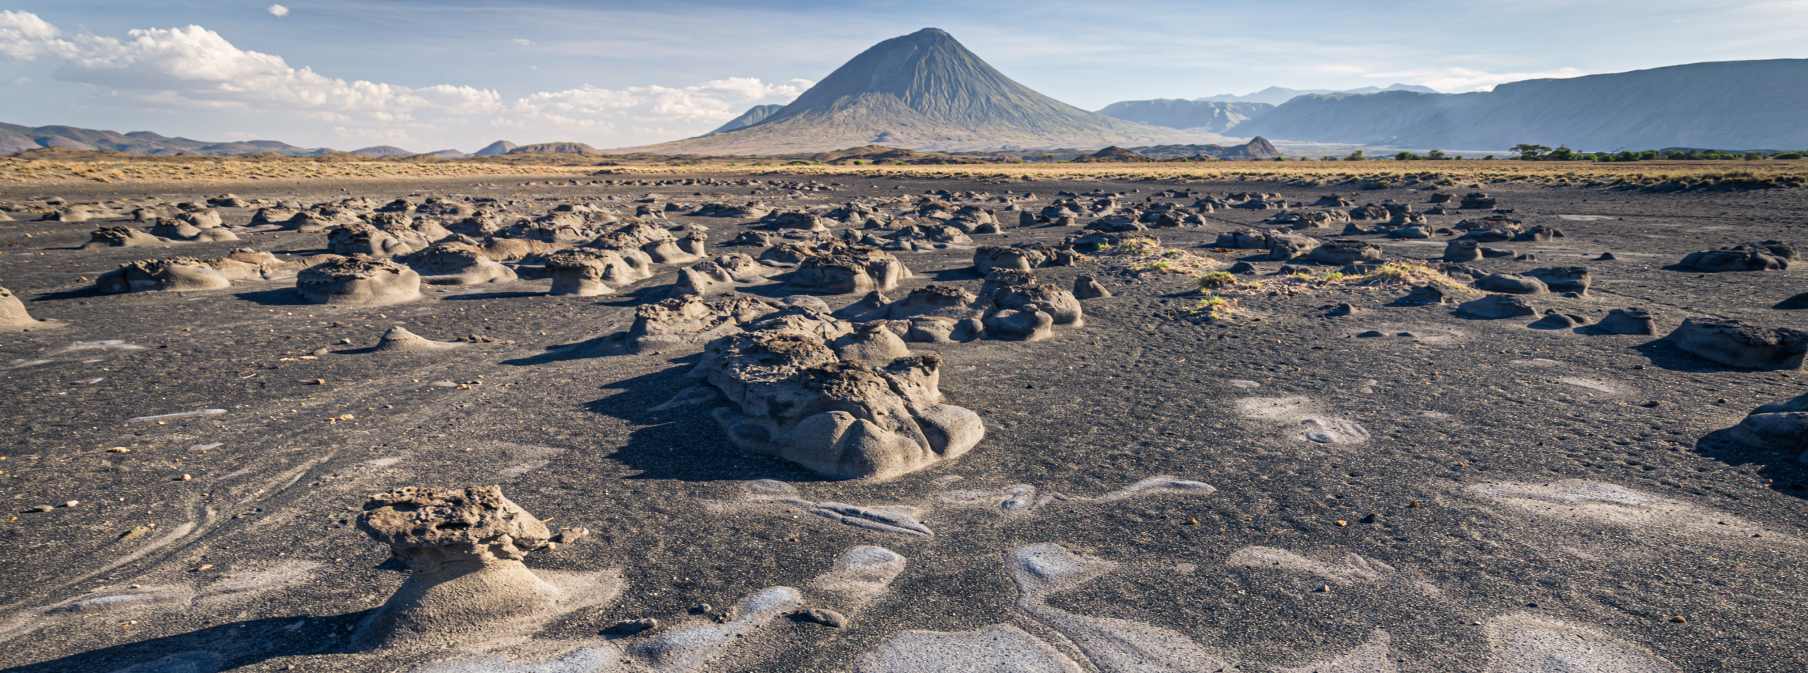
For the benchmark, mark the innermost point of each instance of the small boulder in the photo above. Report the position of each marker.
(1741, 346)
(1495, 307)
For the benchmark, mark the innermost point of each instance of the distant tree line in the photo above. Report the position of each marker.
(1528, 152)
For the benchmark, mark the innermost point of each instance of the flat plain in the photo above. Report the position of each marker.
(1276, 467)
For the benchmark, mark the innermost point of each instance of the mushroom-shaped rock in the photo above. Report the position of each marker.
(173, 273)
(932, 300)
(689, 320)
(365, 239)
(847, 270)
(589, 273)
(1741, 346)
(813, 390)
(246, 264)
(655, 242)
(119, 237)
(358, 281)
(1016, 258)
(463, 548)
(1017, 290)
(456, 262)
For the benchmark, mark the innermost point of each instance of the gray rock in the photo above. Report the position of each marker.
(1496, 307)
(1510, 284)
(1625, 321)
(1741, 346)
(1088, 287)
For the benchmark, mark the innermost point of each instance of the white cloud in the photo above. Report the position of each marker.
(24, 36)
(278, 11)
(1459, 79)
(522, 42)
(195, 68)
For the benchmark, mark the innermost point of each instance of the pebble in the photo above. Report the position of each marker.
(629, 627)
(823, 616)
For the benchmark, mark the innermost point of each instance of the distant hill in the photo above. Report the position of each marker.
(443, 154)
(1257, 149)
(380, 152)
(1276, 95)
(1113, 154)
(15, 139)
(922, 91)
(1213, 116)
(495, 149)
(753, 115)
(1725, 105)
(555, 148)
(880, 154)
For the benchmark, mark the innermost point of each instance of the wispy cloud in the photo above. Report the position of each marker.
(193, 67)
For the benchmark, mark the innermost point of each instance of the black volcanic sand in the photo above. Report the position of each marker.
(224, 539)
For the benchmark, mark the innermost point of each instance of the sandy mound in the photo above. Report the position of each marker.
(177, 274)
(458, 262)
(120, 237)
(399, 340)
(14, 318)
(846, 403)
(721, 274)
(358, 281)
(368, 239)
(590, 273)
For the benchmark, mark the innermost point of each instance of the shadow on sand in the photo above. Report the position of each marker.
(676, 437)
(216, 648)
(1784, 470)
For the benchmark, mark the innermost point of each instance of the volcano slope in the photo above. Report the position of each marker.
(1212, 470)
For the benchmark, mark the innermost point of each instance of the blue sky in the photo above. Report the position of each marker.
(426, 75)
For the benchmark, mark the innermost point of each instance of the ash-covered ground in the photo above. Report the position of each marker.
(1337, 458)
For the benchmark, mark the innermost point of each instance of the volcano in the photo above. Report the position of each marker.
(924, 91)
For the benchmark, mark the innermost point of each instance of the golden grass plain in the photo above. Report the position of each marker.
(230, 170)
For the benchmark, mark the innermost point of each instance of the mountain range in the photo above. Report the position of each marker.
(923, 91)
(1276, 95)
(1211, 116)
(753, 115)
(1721, 105)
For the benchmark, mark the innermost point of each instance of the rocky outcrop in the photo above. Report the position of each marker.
(358, 281)
(843, 401)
